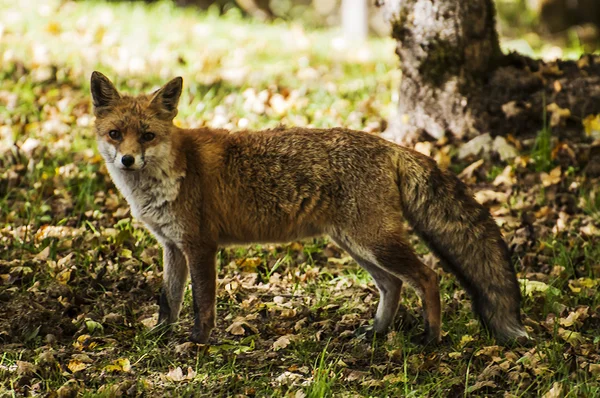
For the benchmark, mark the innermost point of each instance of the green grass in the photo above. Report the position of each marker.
(71, 256)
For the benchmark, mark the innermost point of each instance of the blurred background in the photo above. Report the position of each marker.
(533, 24)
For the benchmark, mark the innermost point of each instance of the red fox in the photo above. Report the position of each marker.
(197, 190)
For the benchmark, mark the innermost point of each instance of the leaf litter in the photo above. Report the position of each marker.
(80, 278)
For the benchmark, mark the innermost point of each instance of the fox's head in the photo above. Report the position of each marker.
(134, 133)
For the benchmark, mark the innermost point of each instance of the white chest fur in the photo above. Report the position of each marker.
(151, 200)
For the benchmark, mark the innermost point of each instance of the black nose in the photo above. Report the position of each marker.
(127, 160)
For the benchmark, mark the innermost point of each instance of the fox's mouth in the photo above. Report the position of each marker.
(133, 169)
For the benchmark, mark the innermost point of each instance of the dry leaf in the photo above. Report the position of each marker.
(554, 177)
(76, 366)
(44, 254)
(119, 365)
(64, 277)
(177, 375)
(511, 109)
(505, 178)
(487, 195)
(282, 342)
(25, 368)
(470, 169)
(424, 147)
(237, 328)
(555, 391)
(571, 337)
(557, 114)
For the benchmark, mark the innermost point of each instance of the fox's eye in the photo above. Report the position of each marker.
(115, 135)
(148, 136)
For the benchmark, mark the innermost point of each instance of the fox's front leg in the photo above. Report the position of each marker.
(175, 273)
(202, 264)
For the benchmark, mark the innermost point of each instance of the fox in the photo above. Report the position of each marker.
(198, 190)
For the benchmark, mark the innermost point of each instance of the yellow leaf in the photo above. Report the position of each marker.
(250, 264)
(63, 277)
(99, 34)
(573, 338)
(587, 282)
(53, 27)
(577, 285)
(119, 365)
(81, 341)
(76, 366)
(591, 125)
(466, 339)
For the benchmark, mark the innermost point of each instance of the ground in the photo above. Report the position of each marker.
(80, 278)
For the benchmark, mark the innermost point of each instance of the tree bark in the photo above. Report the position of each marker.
(456, 81)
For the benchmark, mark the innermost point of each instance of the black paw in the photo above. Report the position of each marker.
(199, 336)
(367, 332)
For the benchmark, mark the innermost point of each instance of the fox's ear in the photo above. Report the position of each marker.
(165, 99)
(104, 93)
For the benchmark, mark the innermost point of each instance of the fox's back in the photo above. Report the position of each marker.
(279, 185)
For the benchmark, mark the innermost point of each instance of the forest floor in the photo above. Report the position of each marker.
(79, 278)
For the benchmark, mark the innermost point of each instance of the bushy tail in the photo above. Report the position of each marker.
(463, 234)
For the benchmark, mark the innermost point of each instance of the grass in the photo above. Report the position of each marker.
(72, 258)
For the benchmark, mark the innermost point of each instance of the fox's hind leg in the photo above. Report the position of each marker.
(388, 285)
(393, 255)
(398, 258)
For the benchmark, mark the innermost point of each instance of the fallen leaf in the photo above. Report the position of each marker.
(487, 195)
(184, 347)
(250, 264)
(25, 368)
(591, 125)
(511, 109)
(44, 254)
(424, 148)
(470, 169)
(552, 178)
(531, 287)
(505, 178)
(481, 384)
(237, 328)
(119, 365)
(282, 342)
(466, 339)
(64, 277)
(574, 317)
(571, 337)
(504, 149)
(176, 374)
(481, 143)
(558, 115)
(76, 366)
(555, 391)
(93, 326)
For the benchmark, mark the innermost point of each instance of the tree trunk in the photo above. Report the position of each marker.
(456, 81)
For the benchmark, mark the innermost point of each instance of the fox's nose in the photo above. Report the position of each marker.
(127, 160)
